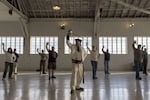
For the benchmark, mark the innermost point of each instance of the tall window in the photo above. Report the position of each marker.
(143, 41)
(85, 41)
(38, 42)
(115, 45)
(12, 42)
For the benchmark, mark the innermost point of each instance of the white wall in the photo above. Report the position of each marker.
(109, 27)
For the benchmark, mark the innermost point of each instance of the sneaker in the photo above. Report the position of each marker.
(3, 79)
(53, 77)
(146, 74)
(139, 78)
(94, 78)
(44, 73)
(80, 89)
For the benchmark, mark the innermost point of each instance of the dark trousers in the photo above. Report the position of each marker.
(42, 66)
(145, 67)
(10, 65)
(106, 66)
(94, 68)
(137, 68)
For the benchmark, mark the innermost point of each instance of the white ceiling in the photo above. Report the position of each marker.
(5, 16)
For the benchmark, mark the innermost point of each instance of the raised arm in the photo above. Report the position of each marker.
(38, 51)
(143, 47)
(88, 47)
(3, 48)
(14, 57)
(67, 40)
(47, 46)
(103, 50)
(133, 44)
(85, 54)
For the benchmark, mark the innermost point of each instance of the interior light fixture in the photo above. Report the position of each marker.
(62, 26)
(131, 25)
(56, 7)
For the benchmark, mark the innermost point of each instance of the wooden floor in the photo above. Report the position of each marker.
(116, 86)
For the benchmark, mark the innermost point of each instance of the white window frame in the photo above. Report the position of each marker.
(115, 45)
(143, 40)
(39, 42)
(14, 42)
(85, 40)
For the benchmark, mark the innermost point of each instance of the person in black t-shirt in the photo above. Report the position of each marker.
(51, 61)
(106, 60)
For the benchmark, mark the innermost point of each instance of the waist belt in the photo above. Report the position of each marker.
(76, 61)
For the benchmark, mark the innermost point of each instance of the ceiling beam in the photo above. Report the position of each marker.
(24, 27)
(98, 11)
(131, 6)
(14, 9)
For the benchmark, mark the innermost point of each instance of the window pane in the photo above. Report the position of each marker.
(40, 43)
(119, 45)
(144, 41)
(116, 45)
(109, 44)
(12, 42)
(85, 40)
(124, 46)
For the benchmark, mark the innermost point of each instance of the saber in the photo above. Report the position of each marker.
(71, 33)
(83, 73)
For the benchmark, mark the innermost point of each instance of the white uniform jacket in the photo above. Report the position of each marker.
(73, 51)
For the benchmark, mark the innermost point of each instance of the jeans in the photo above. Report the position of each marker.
(145, 67)
(94, 68)
(137, 68)
(10, 65)
(106, 66)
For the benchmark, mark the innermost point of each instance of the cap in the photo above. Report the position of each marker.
(78, 40)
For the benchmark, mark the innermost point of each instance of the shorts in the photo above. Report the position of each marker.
(52, 65)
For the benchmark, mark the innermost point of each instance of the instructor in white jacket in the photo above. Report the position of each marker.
(78, 55)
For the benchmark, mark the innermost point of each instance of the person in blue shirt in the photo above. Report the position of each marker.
(106, 60)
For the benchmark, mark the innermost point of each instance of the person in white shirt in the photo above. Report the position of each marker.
(78, 55)
(94, 59)
(10, 58)
(16, 62)
(42, 61)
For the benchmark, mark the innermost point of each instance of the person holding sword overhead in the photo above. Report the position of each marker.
(78, 55)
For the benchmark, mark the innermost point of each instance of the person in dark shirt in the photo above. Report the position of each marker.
(51, 61)
(145, 60)
(137, 59)
(16, 62)
(106, 60)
